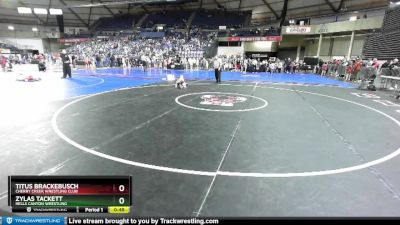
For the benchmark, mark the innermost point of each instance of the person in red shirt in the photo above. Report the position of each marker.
(357, 68)
(375, 63)
(349, 71)
(3, 62)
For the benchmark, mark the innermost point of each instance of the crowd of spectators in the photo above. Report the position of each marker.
(263, 64)
(185, 50)
(7, 61)
(351, 69)
(133, 50)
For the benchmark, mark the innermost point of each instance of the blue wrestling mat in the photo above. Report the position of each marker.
(86, 82)
(114, 76)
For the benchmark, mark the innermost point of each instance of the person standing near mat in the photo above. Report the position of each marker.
(217, 67)
(145, 62)
(66, 61)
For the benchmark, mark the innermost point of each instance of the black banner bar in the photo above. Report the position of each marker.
(215, 221)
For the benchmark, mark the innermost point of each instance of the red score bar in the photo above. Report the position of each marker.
(68, 186)
(83, 189)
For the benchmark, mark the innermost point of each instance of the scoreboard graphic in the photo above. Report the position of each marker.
(62, 194)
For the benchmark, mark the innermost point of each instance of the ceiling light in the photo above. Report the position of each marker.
(55, 11)
(24, 10)
(10, 27)
(34, 29)
(40, 11)
(353, 18)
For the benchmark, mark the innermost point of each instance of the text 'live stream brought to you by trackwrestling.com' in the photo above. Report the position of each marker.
(104, 221)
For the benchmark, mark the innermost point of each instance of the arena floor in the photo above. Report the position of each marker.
(255, 145)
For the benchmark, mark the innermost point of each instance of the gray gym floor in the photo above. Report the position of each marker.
(287, 150)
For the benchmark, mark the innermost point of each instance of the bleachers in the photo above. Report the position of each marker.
(117, 23)
(243, 33)
(391, 21)
(175, 19)
(214, 19)
(171, 19)
(273, 32)
(384, 46)
(80, 35)
(385, 43)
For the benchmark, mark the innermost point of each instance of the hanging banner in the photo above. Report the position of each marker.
(73, 40)
(298, 29)
(267, 38)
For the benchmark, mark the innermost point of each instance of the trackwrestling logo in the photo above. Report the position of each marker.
(33, 220)
(221, 100)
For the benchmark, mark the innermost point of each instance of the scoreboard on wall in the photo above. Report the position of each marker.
(63, 194)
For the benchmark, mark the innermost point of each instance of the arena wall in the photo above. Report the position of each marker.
(260, 46)
(333, 47)
(231, 50)
(25, 43)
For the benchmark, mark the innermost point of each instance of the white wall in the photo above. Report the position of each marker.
(312, 47)
(25, 43)
(25, 31)
(260, 46)
(358, 45)
(44, 40)
(340, 47)
(343, 26)
(232, 50)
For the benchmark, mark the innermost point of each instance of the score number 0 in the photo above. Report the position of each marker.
(121, 200)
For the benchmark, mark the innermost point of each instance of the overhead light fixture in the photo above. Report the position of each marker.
(34, 29)
(40, 11)
(24, 10)
(10, 27)
(55, 11)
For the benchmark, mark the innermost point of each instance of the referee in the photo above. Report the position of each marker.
(217, 67)
(66, 61)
